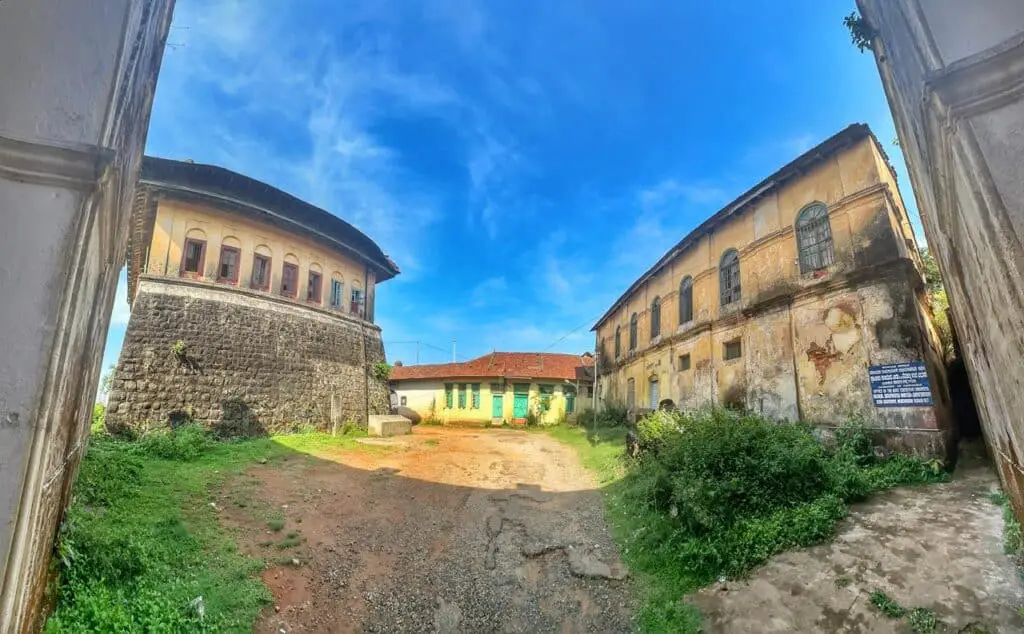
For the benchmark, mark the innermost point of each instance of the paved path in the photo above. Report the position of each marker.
(448, 531)
(938, 547)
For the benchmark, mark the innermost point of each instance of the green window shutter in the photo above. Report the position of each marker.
(448, 395)
(462, 396)
(476, 396)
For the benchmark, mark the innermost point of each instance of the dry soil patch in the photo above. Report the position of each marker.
(451, 530)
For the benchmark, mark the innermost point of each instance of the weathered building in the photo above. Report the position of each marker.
(953, 73)
(500, 387)
(76, 84)
(252, 310)
(802, 299)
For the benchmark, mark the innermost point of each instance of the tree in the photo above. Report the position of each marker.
(938, 302)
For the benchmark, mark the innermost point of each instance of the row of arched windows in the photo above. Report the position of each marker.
(229, 265)
(814, 247)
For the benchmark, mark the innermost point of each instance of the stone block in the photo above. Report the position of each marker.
(389, 425)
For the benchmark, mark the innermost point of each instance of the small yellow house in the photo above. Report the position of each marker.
(500, 387)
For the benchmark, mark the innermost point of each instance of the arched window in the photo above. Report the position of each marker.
(632, 333)
(686, 300)
(729, 277)
(814, 238)
(618, 341)
(655, 317)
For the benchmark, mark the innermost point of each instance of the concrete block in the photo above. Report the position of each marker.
(389, 425)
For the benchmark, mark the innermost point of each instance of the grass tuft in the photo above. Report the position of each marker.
(886, 605)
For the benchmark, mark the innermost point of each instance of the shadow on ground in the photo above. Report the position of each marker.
(446, 530)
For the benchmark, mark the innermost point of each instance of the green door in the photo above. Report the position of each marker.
(497, 402)
(521, 404)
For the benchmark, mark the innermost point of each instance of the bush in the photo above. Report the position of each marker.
(610, 416)
(108, 473)
(185, 443)
(99, 414)
(718, 466)
(654, 430)
(718, 492)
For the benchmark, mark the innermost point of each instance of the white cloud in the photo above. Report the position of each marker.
(489, 292)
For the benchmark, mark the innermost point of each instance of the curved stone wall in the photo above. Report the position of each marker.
(250, 364)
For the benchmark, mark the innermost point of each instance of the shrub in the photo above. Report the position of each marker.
(852, 438)
(654, 429)
(107, 474)
(717, 466)
(610, 416)
(185, 443)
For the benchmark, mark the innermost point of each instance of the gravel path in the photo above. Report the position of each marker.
(449, 531)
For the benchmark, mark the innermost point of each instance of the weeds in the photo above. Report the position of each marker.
(715, 493)
(887, 605)
(141, 541)
(921, 620)
(276, 525)
(1013, 540)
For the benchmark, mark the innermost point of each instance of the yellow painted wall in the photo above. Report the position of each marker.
(427, 398)
(175, 221)
(765, 239)
(804, 358)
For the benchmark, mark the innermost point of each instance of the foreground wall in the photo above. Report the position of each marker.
(252, 363)
(953, 73)
(76, 83)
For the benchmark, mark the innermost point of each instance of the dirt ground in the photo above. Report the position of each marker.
(447, 530)
(939, 547)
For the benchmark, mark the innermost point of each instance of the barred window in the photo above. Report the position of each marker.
(686, 300)
(729, 277)
(655, 317)
(814, 238)
(632, 333)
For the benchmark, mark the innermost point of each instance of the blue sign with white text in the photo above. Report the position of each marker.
(900, 384)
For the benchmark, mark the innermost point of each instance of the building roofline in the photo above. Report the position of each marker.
(844, 138)
(239, 193)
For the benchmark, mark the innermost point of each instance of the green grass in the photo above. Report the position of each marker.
(600, 450)
(1013, 539)
(719, 494)
(141, 540)
(886, 605)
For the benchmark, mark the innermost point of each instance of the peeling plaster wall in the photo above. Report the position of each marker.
(807, 338)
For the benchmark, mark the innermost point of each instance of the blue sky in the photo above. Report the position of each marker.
(523, 161)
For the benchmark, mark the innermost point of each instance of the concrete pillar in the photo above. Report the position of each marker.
(953, 72)
(76, 85)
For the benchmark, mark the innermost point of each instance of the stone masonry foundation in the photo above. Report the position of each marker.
(247, 363)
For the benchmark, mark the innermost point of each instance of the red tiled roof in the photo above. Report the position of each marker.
(509, 365)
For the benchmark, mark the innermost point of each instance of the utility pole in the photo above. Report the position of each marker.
(597, 365)
(453, 349)
(417, 353)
